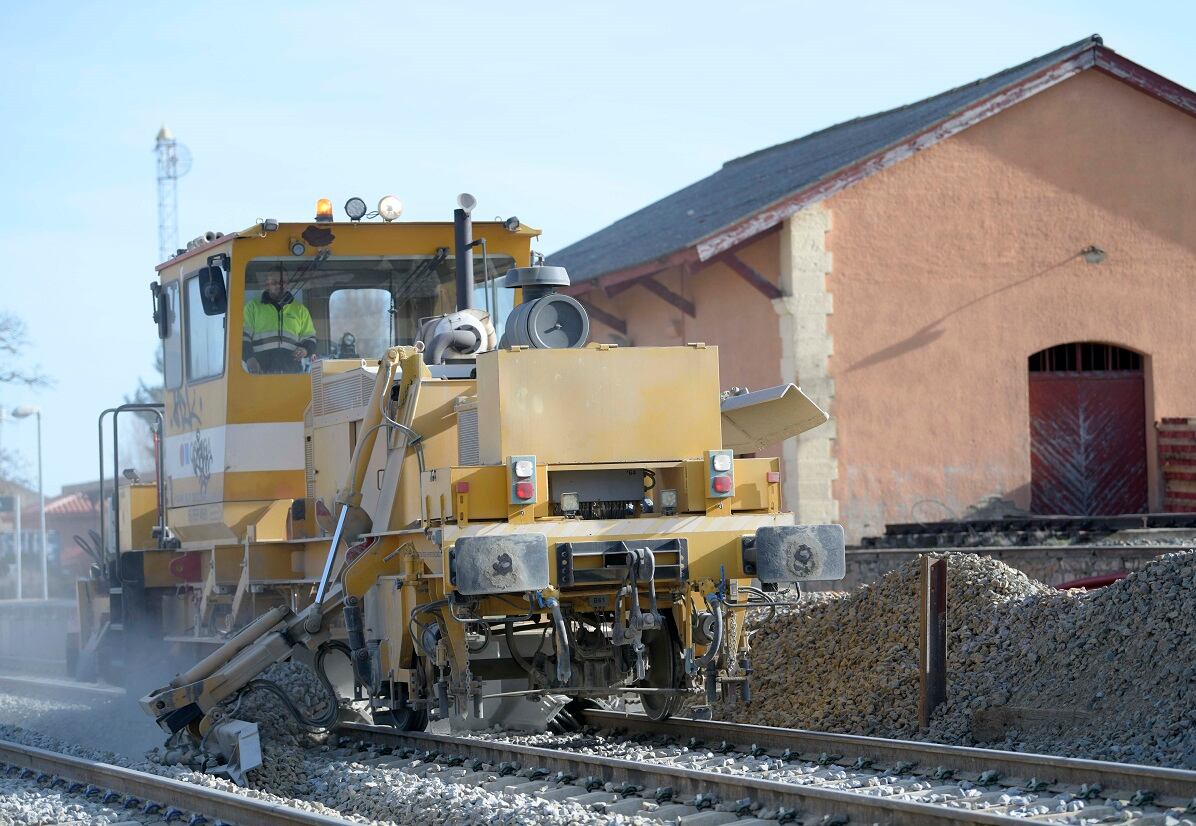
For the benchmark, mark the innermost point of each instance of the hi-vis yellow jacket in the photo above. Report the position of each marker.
(273, 331)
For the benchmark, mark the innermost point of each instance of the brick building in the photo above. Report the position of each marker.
(989, 291)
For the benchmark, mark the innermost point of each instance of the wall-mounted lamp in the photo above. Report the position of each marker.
(1093, 254)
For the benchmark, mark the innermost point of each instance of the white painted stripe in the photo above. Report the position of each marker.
(238, 448)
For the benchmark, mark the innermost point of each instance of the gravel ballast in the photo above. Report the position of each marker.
(300, 770)
(1118, 664)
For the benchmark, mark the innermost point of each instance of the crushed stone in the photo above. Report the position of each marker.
(1119, 662)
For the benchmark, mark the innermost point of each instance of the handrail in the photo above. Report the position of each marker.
(158, 409)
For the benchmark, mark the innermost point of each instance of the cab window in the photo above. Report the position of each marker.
(205, 336)
(172, 345)
(296, 309)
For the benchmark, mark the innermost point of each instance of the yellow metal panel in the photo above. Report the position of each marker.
(271, 526)
(138, 515)
(185, 491)
(752, 488)
(272, 484)
(751, 484)
(331, 451)
(599, 405)
(156, 567)
(228, 561)
(274, 563)
(436, 422)
(221, 523)
(486, 498)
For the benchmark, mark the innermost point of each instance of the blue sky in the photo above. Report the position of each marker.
(569, 115)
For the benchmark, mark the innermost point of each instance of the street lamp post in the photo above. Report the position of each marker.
(23, 412)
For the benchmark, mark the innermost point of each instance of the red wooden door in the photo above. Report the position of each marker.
(1087, 443)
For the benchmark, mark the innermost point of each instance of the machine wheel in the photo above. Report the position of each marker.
(665, 670)
(403, 717)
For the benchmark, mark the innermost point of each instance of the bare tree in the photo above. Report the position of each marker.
(13, 342)
(13, 370)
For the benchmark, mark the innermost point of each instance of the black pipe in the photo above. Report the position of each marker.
(463, 243)
(359, 653)
(564, 668)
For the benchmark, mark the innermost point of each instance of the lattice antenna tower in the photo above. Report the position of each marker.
(174, 161)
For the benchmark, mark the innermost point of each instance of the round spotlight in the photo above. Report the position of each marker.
(298, 248)
(355, 209)
(390, 208)
(511, 224)
(467, 202)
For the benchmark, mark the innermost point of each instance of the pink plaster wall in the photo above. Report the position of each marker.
(952, 267)
(729, 313)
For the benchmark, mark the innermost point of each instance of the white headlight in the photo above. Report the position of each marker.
(721, 462)
(524, 469)
(390, 208)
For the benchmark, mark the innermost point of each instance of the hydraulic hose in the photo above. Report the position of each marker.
(509, 633)
(564, 668)
(319, 723)
(716, 640)
(359, 653)
(411, 620)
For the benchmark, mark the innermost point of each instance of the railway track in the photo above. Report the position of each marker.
(148, 794)
(59, 688)
(1003, 768)
(751, 775)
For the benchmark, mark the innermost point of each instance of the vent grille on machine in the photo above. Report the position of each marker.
(469, 450)
(309, 454)
(341, 392)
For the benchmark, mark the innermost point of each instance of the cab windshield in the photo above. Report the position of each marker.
(353, 307)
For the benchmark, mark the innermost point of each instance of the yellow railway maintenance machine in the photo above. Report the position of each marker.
(487, 522)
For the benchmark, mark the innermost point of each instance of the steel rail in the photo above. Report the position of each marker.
(808, 800)
(58, 688)
(1013, 768)
(215, 804)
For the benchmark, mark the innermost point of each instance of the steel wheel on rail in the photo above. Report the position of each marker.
(665, 670)
(402, 717)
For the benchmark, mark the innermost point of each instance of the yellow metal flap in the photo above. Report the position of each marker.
(753, 421)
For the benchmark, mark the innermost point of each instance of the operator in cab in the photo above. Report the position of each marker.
(278, 332)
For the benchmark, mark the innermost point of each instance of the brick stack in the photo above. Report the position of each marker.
(1177, 457)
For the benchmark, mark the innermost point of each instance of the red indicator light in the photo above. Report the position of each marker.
(721, 484)
(524, 490)
(462, 487)
(774, 476)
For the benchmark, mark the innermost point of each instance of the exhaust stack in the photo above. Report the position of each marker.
(463, 249)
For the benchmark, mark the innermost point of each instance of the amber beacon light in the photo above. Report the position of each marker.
(324, 210)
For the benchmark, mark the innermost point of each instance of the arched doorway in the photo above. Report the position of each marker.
(1087, 430)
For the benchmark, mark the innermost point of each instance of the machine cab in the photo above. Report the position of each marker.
(245, 317)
